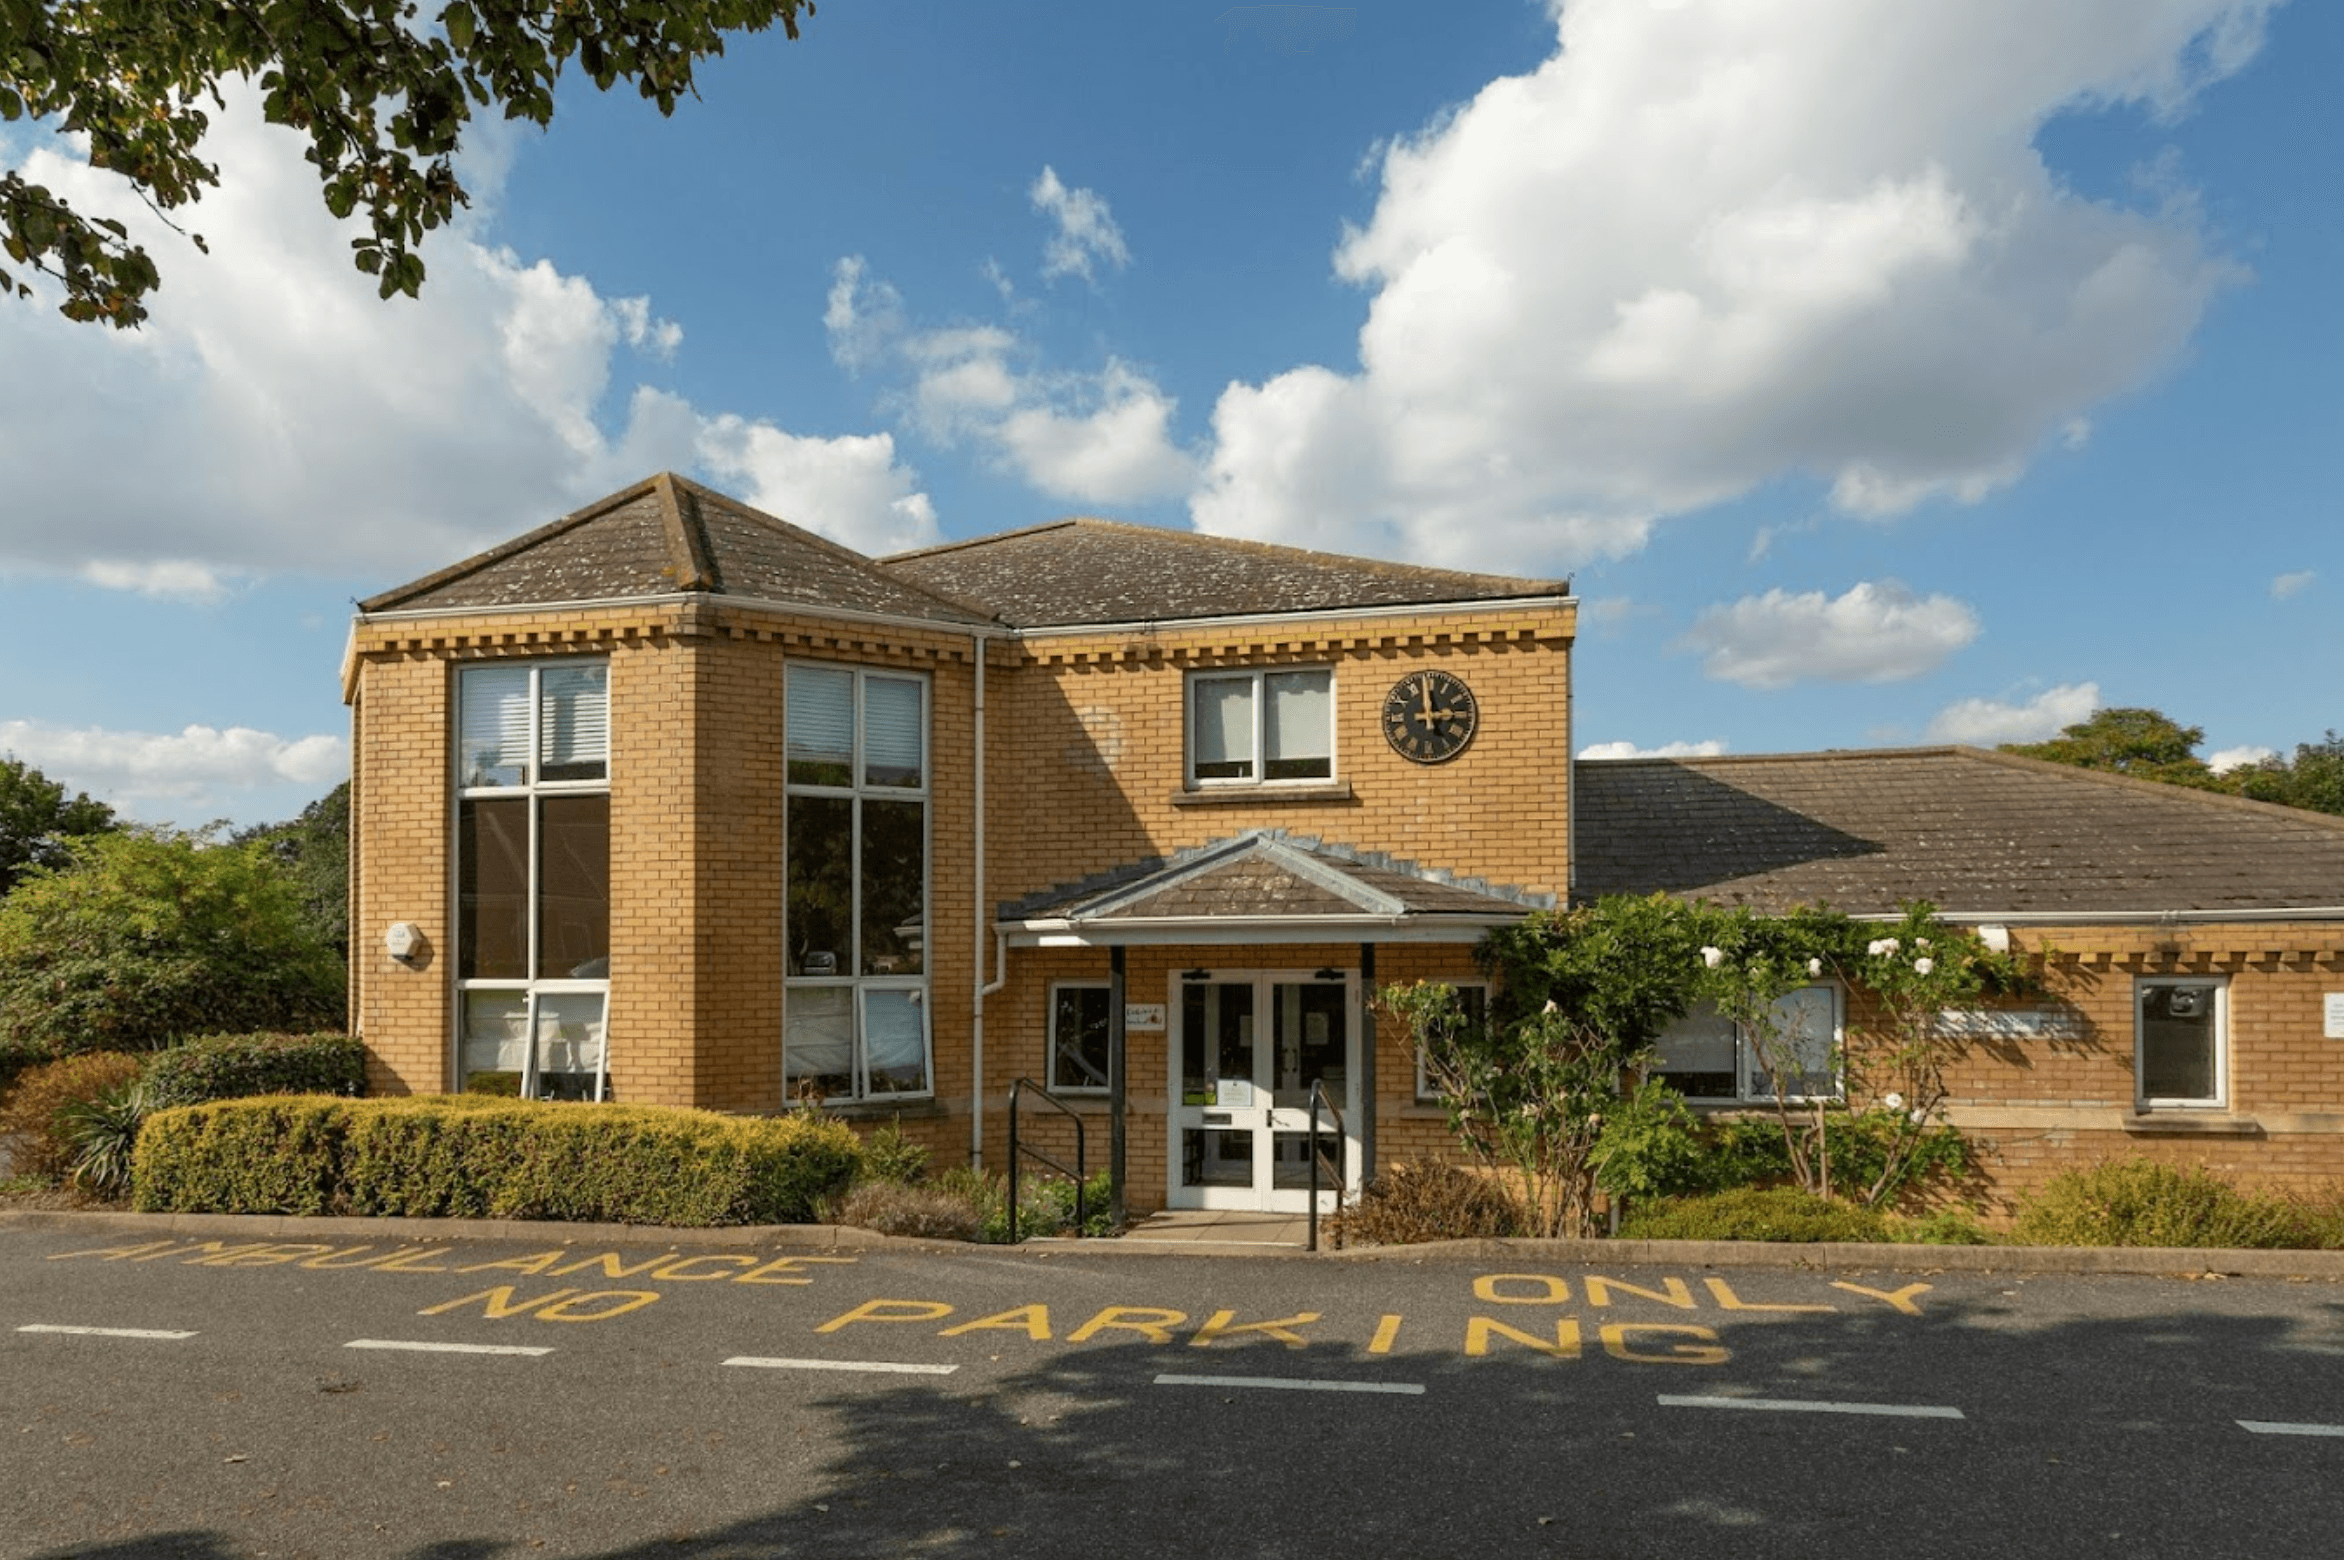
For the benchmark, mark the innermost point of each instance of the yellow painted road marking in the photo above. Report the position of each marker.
(1673, 1291)
(1902, 1299)
(1387, 1333)
(889, 1311)
(1224, 1325)
(1550, 1290)
(1728, 1300)
(1480, 1329)
(1615, 1343)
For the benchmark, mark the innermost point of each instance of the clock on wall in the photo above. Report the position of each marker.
(1429, 717)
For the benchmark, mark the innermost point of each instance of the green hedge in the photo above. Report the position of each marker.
(227, 1067)
(475, 1157)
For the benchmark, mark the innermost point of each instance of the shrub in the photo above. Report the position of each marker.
(226, 1067)
(1427, 1200)
(473, 1156)
(890, 1156)
(1778, 1213)
(893, 1208)
(146, 936)
(34, 1112)
(1046, 1207)
(104, 1135)
(2145, 1202)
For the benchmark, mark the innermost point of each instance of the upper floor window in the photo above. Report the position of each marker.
(533, 724)
(533, 878)
(856, 747)
(1248, 728)
(2181, 1034)
(1079, 1015)
(1708, 1056)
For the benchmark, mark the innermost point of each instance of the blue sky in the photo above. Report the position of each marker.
(1880, 374)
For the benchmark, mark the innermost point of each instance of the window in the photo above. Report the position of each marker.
(1473, 1000)
(533, 878)
(856, 987)
(1707, 1056)
(1247, 728)
(1078, 1037)
(2181, 1030)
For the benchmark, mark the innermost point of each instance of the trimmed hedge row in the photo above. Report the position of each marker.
(478, 1157)
(227, 1067)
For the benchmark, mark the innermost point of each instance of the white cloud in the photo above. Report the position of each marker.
(1987, 722)
(1103, 438)
(2295, 584)
(165, 579)
(1601, 750)
(1708, 244)
(190, 775)
(849, 489)
(1873, 633)
(2238, 757)
(1086, 231)
(275, 416)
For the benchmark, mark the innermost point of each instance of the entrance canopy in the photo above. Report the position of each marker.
(1266, 886)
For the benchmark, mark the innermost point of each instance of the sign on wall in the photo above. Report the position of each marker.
(2333, 1014)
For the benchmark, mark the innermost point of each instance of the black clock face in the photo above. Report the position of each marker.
(1430, 717)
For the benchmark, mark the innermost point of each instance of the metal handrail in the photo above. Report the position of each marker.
(1318, 1097)
(1081, 1161)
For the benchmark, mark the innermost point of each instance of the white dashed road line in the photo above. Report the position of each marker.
(1804, 1406)
(1293, 1384)
(444, 1348)
(2277, 1427)
(163, 1334)
(880, 1367)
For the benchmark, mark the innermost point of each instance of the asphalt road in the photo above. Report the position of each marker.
(247, 1397)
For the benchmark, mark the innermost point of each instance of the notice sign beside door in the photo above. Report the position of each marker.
(2332, 1006)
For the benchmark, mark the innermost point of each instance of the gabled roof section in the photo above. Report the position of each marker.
(1978, 834)
(1269, 876)
(1083, 571)
(669, 536)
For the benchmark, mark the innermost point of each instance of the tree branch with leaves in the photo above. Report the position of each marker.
(382, 93)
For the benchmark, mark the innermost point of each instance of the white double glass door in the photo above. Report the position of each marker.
(1247, 1046)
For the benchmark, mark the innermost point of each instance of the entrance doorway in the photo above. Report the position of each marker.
(1247, 1046)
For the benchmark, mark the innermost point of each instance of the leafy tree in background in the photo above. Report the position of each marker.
(36, 819)
(2144, 743)
(2148, 744)
(382, 96)
(314, 850)
(2314, 779)
(145, 936)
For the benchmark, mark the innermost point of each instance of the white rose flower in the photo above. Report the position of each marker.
(1924, 965)
(1919, 1116)
(1920, 942)
(1814, 966)
(1711, 958)
(1893, 1101)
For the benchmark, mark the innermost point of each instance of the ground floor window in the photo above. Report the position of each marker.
(1079, 1013)
(1707, 1056)
(533, 945)
(2181, 1041)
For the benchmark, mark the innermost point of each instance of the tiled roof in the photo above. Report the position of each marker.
(1268, 873)
(665, 536)
(1970, 831)
(1103, 571)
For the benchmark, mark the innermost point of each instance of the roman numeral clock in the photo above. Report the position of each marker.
(1430, 717)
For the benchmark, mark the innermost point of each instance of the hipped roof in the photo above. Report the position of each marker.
(668, 536)
(1975, 833)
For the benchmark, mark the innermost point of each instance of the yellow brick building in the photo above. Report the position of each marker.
(672, 802)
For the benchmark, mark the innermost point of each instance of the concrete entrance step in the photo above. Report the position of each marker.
(1192, 1227)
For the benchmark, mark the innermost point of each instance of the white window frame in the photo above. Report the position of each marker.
(1750, 1076)
(857, 791)
(1426, 1093)
(2217, 989)
(1258, 705)
(1050, 1070)
(530, 789)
